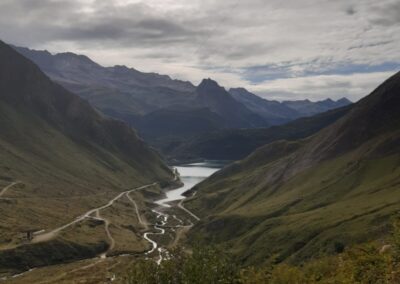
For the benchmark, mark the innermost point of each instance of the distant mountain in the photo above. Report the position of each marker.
(210, 109)
(272, 111)
(236, 144)
(67, 157)
(308, 108)
(296, 200)
(281, 112)
(119, 88)
(213, 109)
(217, 99)
(136, 97)
(164, 110)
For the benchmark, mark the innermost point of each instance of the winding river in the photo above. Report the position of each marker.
(190, 175)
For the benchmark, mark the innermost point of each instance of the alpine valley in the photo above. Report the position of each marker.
(112, 175)
(168, 113)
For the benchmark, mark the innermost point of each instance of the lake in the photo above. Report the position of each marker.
(191, 174)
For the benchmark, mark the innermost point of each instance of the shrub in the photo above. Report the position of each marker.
(366, 265)
(205, 265)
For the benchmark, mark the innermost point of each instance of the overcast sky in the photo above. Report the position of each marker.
(291, 49)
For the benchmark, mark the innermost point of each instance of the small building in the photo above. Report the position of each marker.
(29, 233)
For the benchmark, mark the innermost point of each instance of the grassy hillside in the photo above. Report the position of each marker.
(297, 200)
(66, 157)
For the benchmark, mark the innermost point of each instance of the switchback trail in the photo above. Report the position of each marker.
(180, 205)
(50, 235)
(108, 233)
(145, 224)
(161, 226)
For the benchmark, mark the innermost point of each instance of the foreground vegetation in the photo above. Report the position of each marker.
(367, 263)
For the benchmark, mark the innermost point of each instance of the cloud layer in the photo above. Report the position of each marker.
(280, 49)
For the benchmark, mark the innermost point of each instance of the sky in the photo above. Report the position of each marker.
(284, 50)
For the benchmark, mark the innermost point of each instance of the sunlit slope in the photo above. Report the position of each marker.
(295, 200)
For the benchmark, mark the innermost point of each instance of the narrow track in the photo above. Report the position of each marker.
(52, 234)
(95, 214)
(5, 189)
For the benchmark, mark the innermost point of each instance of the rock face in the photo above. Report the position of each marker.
(292, 200)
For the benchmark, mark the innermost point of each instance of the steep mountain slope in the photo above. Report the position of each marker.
(297, 200)
(218, 100)
(66, 157)
(236, 144)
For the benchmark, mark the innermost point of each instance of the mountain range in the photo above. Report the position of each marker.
(147, 101)
(282, 112)
(236, 144)
(301, 199)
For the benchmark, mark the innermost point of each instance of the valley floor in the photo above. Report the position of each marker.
(127, 227)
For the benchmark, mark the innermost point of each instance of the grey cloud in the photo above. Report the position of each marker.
(62, 20)
(371, 44)
(126, 31)
(351, 10)
(237, 42)
(386, 14)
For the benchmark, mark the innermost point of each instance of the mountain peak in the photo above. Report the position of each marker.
(73, 57)
(209, 84)
(210, 89)
(218, 100)
(239, 90)
(123, 68)
(25, 49)
(344, 100)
